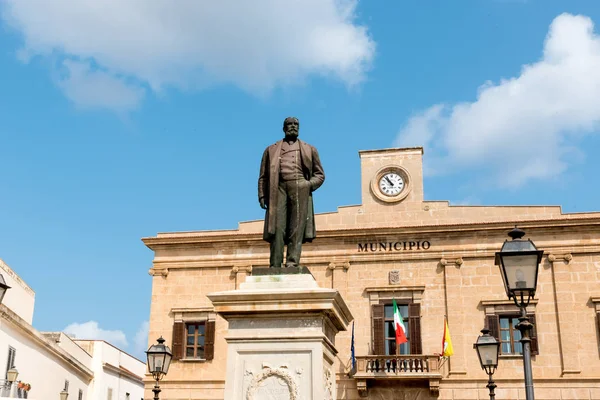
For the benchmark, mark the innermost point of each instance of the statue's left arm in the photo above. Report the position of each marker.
(318, 175)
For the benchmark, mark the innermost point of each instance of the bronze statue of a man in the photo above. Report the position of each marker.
(290, 171)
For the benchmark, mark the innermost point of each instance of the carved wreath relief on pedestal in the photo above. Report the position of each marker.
(281, 375)
(328, 384)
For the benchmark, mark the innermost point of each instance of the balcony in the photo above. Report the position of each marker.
(5, 391)
(398, 367)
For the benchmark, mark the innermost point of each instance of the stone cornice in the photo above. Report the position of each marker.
(418, 149)
(417, 288)
(35, 336)
(123, 372)
(263, 302)
(485, 303)
(442, 257)
(233, 237)
(8, 271)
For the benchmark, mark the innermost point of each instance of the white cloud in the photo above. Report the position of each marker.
(91, 331)
(257, 45)
(140, 341)
(98, 89)
(527, 125)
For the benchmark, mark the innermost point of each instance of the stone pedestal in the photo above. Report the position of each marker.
(281, 338)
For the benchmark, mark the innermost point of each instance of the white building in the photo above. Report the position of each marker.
(53, 362)
(117, 375)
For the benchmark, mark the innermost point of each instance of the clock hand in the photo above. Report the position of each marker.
(388, 179)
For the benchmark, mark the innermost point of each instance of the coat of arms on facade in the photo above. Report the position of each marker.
(394, 277)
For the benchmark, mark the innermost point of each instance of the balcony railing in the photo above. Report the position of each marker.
(397, 365)
(5, 390)
(408, 367)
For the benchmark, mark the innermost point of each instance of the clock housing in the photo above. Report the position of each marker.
(391, 184)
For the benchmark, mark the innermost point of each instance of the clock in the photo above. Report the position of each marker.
(391, 184)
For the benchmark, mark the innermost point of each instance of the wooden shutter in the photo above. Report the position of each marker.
(209, 340)
(178, 337)
(10, 362)
(377, 319)
(414, 326)
(492, 322)
(534, 340)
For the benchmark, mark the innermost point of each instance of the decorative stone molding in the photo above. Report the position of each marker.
(328, 383)
(568, 257)
(164, 272)
(492, 307)
(267, 372)
(434, 387)
(242, 268)
(345, 265)
(596, 302)
(193, 314)
(245, 268)
(361, 386)
(409, 293)
(456, 261)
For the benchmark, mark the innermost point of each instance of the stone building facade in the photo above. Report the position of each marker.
(435, 259)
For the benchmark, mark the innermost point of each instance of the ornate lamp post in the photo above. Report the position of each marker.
(11, 376)
(64, 394)
(519, 262)
(159, 359)
(488, 349)
(3, 288)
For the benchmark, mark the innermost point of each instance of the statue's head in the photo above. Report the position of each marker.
(291, 126)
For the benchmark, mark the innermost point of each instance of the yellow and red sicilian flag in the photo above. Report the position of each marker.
(447, 349)
(399, 326)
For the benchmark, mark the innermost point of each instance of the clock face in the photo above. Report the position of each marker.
(391, 184)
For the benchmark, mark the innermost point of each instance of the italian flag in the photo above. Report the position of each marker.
(399, 326)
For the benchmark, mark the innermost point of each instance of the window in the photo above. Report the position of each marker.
(510, 336)
(194, 344)
(10, 362)
(390, 330)
(384, 334)
(194, 340)
(503, 326)
(80, 397)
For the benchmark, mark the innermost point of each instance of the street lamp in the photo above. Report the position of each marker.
(64, 394)
(159, 359)
(3, 288)
(519, 262)
(11, 376)
(488, 349)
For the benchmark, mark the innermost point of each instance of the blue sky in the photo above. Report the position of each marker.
(119, 120)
